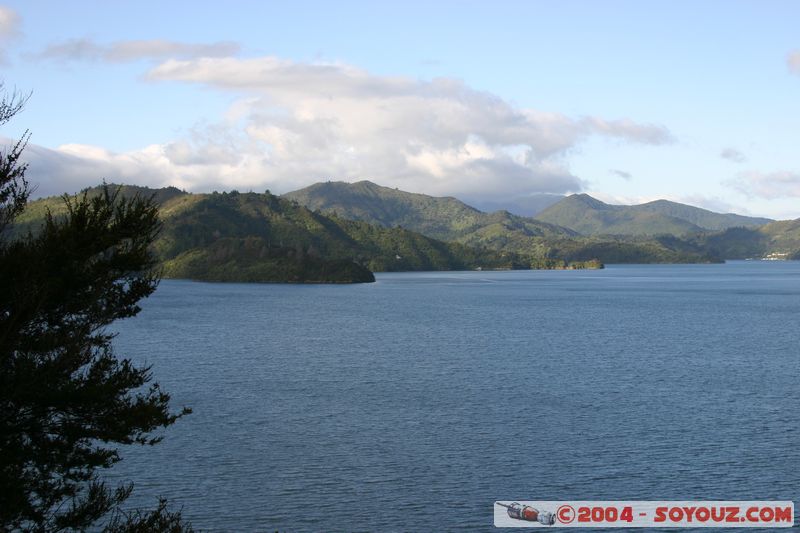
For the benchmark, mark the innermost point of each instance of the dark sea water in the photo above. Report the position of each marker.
(413, 403)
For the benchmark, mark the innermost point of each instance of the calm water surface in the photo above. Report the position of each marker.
(415, 402)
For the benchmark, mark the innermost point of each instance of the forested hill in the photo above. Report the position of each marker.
(261, 237)
(442, 218)
(776, 240)
(590, 216)
(451, 219)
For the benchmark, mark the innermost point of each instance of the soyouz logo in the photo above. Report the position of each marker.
(644, 514)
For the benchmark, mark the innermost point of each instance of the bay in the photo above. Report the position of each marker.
(413, 403)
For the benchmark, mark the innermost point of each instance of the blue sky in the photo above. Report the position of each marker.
(629, 101)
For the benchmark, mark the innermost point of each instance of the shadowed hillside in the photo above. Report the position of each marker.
(261, 237)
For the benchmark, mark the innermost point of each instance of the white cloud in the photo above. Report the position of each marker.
(71, 168)
(793, 62)
(732, 154)
(298, 123)
(768, 185)
(125, 51)
(302, 122)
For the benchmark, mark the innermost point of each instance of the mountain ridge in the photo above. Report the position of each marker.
(353, 229)
(589, 216)
(451, 219)
(234, 236)
(440, 217)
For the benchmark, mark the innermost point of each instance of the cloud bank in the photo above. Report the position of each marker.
(310, 121)
(71, 168)
(297, 123)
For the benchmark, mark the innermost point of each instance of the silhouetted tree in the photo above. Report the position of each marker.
(14, 189)
(66, 400)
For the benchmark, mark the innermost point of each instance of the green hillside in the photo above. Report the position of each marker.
(252, 259)
(451, 219)
(782, 236)
(702, 218)
(589, 216)
(261, 237)
(780, 239)
(446, 218)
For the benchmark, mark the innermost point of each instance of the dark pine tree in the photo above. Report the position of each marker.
(66, 400)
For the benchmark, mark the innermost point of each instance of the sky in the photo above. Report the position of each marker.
(490, 102)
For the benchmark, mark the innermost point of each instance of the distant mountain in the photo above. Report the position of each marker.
(261, 237)
(452, 220)
(442, 218)
(350, 230)
(703, 218)
(590, 216)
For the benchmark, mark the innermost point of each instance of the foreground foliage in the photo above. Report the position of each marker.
(66, 400)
